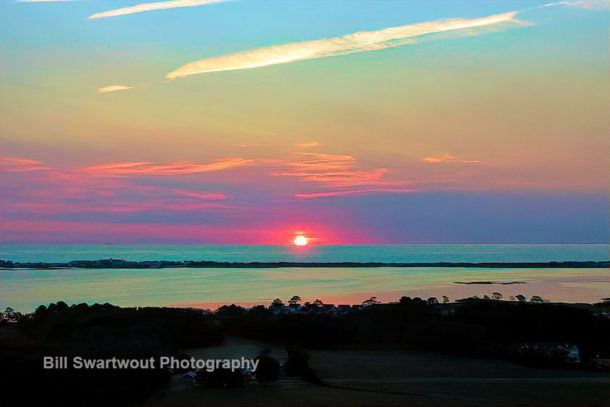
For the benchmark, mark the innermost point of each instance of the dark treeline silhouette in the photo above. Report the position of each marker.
(475, 327)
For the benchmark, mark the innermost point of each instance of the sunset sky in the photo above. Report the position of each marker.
(351, 121)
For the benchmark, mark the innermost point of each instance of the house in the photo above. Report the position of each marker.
(565, 352)
(328, 308)
(282, 309)
(445, 310)
(343, 308)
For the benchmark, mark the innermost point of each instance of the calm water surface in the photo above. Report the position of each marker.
(25, 289)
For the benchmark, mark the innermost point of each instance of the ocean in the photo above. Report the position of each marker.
(23, 290)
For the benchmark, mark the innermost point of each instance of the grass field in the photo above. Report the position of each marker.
(394, 377)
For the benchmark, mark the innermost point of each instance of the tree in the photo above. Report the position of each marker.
(294, 300)
(496, 296)
(432, 301)
(40, 312)
(536, 299)
(405, 300)
(230, 310)
(370, 301)
(445, 299)
(277, 303)
(268, 369)
(62, 306)
(318, 302)
(259, 309)
(83, 306)
(520, 298)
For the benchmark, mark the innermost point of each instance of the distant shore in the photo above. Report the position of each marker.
(155, 264)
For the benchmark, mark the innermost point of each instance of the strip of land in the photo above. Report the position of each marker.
(153, 264)
(489, 282)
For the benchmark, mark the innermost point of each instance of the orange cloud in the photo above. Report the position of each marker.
(308, 145)
(19, 164)
(132, 168)
(448, 158)
(332, 169)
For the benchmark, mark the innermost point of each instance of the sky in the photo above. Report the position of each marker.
(349, 121)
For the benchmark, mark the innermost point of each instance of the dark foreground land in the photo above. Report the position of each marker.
(477, 352)
(389, 376)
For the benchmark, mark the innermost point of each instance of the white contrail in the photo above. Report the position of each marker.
(113, 88)
(347, 44)
(592, 4)
(163, 5)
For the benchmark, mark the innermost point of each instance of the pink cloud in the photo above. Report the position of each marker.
(62, 184)
(214, 196)
(72, 191)
(12, 230)
(134, 168)
(16, 229)
(110, 207)
(19, 164)
(355, 192)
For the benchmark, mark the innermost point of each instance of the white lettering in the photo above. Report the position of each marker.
(47, 362)
(164, 361)
(77, 362)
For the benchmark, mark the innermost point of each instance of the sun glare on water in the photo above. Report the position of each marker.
(301, 240)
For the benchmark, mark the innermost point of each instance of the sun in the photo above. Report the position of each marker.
(301, 240)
